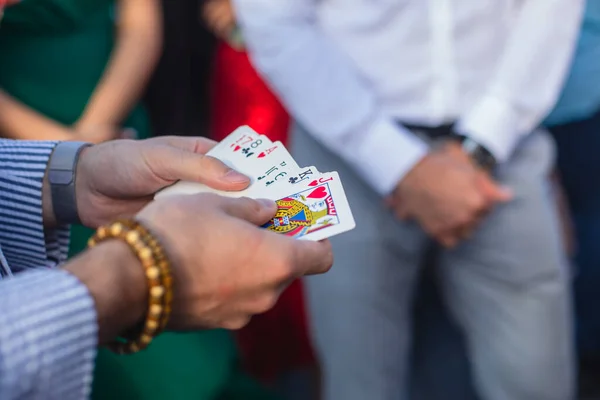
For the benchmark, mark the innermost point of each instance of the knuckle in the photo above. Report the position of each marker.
(210, 166)
(476, 202)
(207, 163)
(267, 302)
(326, 262)
(284, 269)
(236, 323)
(252, 205)
(461, 218)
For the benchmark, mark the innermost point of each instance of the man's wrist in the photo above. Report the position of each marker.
(59, 201)
(478, 153)
(116, 281)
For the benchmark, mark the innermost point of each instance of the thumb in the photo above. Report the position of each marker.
(257, 212)
(178, 164)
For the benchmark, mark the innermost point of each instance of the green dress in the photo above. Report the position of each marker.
(52, 55)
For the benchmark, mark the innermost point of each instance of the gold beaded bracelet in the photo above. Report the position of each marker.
(157, 269)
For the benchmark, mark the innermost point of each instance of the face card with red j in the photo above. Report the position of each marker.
(314, 211)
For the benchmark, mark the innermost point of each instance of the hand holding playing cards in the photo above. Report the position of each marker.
(312, 205)
(118, 178)
(447, 195)
(225, 268)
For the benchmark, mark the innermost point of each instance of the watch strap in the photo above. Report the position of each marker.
(478, 153)
(62, 171)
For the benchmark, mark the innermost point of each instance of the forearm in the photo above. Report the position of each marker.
(17, 121)
(116, 282)
(24, 239)
(52, 321)
(48, 336)
(137, 50)
(529, 76)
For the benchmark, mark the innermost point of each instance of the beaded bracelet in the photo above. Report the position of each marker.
(157, 269)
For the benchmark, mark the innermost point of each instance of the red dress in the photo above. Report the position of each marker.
(277, 341)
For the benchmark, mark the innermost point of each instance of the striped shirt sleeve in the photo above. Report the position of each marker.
(23, 240)
(48, 337)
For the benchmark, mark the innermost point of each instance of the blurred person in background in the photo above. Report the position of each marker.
(575, 123)
(430, 112)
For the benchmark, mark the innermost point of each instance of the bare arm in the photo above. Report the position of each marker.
(18, 121)
(137, 50)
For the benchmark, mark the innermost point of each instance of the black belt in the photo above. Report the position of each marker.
(432, 132)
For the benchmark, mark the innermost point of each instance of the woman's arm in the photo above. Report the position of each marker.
(219, 17)
(137, 50)
(17, 121)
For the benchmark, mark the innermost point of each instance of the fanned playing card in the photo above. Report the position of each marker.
(311, 205)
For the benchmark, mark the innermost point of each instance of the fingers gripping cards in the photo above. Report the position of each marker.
(311, 205)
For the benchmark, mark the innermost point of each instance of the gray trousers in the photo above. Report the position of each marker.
(507, 288)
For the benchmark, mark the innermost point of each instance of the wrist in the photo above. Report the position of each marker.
(477, 152)
(116, 282)
(59, 197)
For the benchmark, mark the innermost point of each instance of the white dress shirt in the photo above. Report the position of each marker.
(348, 70)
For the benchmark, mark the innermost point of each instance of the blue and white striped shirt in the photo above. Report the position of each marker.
(48, 328)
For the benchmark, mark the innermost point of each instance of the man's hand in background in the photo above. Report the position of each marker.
(447, 195)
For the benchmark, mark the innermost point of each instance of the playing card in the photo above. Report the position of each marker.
(312, 205)
(234, 144)
(302, 174)
(273, 166)
(315, 211)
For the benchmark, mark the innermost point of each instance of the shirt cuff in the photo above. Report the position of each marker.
(23, 239)
(384, 154)
(48, 336)
(496, 125)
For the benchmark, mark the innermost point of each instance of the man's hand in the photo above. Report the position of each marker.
(118, 178)
(447, 195)
(226, 268)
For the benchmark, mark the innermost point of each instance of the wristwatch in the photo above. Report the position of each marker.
(62, 170)
(477, 152)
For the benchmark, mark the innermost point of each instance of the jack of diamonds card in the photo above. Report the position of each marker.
(315, 212)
